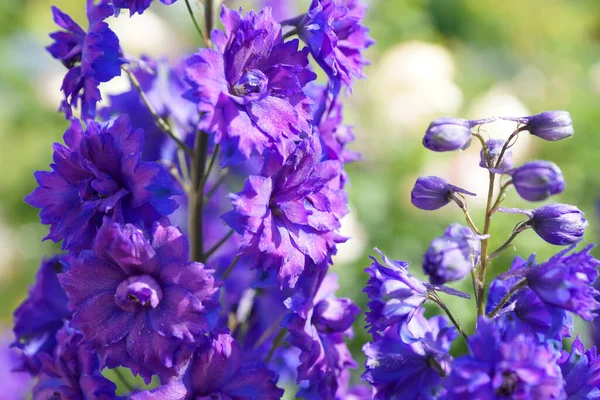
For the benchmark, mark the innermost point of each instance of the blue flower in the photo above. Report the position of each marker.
(505, 364)
(395, 295)
(42, 314)
(92, 57)
(99, 173)
(137, 6)
(410, 365)
(333, 31)
(581, 371)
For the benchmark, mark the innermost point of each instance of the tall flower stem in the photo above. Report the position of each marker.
(191, 12)
(276, 343)
(196, 198)
(500, 197)
(484, 246)
(209, 18)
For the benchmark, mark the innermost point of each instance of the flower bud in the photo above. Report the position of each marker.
(432, 192)
(451, 256)
(538, 180)
(494, 147)
(559, 224)
(449, 133)
(549, 125)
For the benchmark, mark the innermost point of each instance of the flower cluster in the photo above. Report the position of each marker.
(198, 212)
(515, 350)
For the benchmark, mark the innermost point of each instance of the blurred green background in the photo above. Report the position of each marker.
(466, 58)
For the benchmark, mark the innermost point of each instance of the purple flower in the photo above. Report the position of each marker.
(494, 147)
(318, 324)
(99, 173)
(549, 125)
(92, 57)
(216, 371)
(581, 372)
(525, 311)
(451, 256)
(163, 85)
(333, 31)
(14, 381)
(395, 295)
(291, 215)
(72, 372)
(411, 365)
(433, 192)
(137, 6)
(249, 90)
(42, 314)
(137, 299)
(327, 118)
(537, 180)
(449, 133)
(564, 281)
(559, 224)
(509, 364)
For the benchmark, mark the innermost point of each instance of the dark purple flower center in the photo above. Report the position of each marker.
(253, 81)
(509, 384)
(138, 291)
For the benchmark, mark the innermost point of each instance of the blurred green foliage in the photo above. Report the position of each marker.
(490, 41)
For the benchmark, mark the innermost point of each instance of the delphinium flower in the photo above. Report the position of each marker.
(557, 224)
(291, 215)
(433, 192)
(249, 90)
(327, 119)
(217, 371)
(72, 372)
(99, 173)
(163, 86)
(524, 310)
(549, 125)
(42, 314)
(449, 134)
(410, 366)
(395, 295)
(15, 382)
(318, 324)
(564, 281)
(505, 364)
(92, 57)
(494, 149)
(137, 6)
(333, 31)
(537, 180)
(451, 256)
(581, 372)
(137, 299)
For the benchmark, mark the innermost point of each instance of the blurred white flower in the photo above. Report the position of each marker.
(354, 248)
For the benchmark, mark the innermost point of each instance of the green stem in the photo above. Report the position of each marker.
(291, 33)
(211, 163)
(520, 285)
(436, 299)
(500, 198)
(189, 8)
(486, 152)
(484, 246)
(520, 228)
(209, 19)
(123, 380)
(507, 144)
(276, 343)
(219, 244)
(216, 185)
(230, 268)
(161, 123)
(196, 198)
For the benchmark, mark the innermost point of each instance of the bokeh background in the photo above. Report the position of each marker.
(466, 58)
